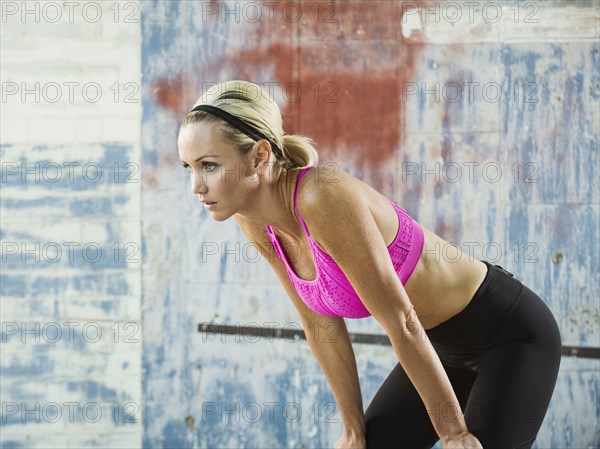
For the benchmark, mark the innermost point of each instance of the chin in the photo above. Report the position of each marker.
(218, 217)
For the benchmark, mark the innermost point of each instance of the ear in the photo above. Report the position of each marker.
(262, 155)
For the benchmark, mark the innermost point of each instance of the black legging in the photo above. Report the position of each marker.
(502, 355)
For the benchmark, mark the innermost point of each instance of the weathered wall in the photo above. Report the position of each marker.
(385, 97)
(393, 106)
(71, 351)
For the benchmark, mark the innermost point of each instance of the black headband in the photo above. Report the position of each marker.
(237, 123)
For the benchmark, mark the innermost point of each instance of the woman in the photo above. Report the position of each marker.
(478, 351)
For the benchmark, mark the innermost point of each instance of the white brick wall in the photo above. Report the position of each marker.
(71, 371)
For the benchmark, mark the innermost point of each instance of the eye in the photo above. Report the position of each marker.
(190, 170)
(187, 167)
(204, 164)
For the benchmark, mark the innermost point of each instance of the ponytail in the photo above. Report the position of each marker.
(299, 151)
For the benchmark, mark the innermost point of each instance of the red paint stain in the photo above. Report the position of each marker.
(342, 80)
(172, 92)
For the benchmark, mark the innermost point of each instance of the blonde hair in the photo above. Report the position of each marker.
(250, 103)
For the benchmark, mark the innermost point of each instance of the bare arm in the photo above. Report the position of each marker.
(327, 337)
(330, 343)
(337, 218)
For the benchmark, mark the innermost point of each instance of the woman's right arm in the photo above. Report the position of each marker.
(327, 337)
(330, 343)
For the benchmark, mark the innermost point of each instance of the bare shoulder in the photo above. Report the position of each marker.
(327, 193)
(334, 198)
(326, 183)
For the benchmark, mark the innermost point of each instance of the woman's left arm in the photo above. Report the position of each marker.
(341, 223)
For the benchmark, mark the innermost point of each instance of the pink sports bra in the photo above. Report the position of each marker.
(330, 293)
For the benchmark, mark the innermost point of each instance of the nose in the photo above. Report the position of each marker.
(198, 187)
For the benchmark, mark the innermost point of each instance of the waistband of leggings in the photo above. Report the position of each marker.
(497, 281)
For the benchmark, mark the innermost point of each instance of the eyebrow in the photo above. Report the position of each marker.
(201, 157)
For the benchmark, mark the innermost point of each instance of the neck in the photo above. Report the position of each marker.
(273, 203)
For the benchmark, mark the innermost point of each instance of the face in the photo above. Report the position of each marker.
(217, 172)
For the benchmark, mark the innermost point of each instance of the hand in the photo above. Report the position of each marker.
(463, 440)
(351, 441)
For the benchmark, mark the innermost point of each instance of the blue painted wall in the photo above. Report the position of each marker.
(531, 204)
(70, 194)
